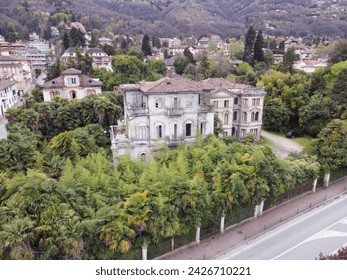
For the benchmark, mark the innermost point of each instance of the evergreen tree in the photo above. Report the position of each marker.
(205, 68)
(89, 64)
(146, 47)
(66, 41)
(258, 47)
(281, 47)
(340, 87)
(288, 59)
(188, 54)
(249, 46)
(77, 38)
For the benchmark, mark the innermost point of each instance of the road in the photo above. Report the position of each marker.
(323, 229)
(282, 146)
(3, 131)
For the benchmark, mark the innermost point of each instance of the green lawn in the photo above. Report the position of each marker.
(264, 141)
(303, 141)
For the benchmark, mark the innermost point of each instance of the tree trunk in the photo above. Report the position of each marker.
(197, 236)
(144, 251)
(222, 220)
(173, 243)
(326, 179)
(256, 211)
(314, 185)
(261, 209)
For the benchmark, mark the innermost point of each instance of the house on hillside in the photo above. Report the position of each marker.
(71, 84)
(175, 109)
(100, 58)
(8, 95)
(239, 107)
(170, 111)
(17, 68)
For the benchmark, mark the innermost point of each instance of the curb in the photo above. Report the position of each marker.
(189, 245)
(252, 237)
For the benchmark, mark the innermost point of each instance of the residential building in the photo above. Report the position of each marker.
(203, 41)
(41, 44)
(193, 49)
(100, 58)
(239, 107)
(170, 111)
(278, 58)
(71, 84)
(309, 66)
(8, 95)
(16, 68)
(38, 59)
(105, 40)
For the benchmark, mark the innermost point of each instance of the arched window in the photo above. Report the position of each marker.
(252, 117)
(257, 116)
(141, 130)
(73, 94)
(244, 116)
(226, 118)
(233, 131)
(143, 157)
(235, 116)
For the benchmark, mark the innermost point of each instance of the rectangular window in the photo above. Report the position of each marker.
(188, 129)
(72, 81)
(160, 131)
(236, 101)
(225, 133)
(226, 103)
(175, 132)
(203, 128)
(258, 101)
(245, 101)
(215, 104)
(243, 133)
(175, 103)
(201, 99)
(253, 101)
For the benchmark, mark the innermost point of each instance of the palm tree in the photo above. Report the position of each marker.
(15, 238)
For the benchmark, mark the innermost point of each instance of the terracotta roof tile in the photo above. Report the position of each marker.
(175, 83)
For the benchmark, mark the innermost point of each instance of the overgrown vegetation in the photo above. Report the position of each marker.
(93, 211)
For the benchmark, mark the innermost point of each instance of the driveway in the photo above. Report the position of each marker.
(282, 146)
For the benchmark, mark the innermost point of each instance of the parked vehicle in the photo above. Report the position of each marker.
(294, 133)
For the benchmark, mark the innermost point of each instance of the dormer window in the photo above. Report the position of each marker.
(72, 81)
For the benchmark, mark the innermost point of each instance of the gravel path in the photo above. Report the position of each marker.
(282, 146)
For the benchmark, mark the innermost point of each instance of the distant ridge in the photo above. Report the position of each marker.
(227, 18)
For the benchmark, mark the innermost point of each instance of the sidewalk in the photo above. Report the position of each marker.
(235, 235)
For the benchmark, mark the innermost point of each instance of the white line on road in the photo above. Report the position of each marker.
(308, 239)
(331, 204)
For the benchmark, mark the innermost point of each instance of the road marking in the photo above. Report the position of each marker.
(296, 221)
(308, 239)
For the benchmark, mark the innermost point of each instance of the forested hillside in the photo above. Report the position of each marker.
(177, 17)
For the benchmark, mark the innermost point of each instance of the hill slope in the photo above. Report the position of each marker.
(184, 17)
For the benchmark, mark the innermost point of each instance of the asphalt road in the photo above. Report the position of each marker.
(282, 146)
(323, 229)
(3, 131)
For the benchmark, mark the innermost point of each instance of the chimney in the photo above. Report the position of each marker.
(169, 73)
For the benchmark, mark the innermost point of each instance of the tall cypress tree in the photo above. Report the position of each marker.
(146, 47)
(188, 54)
(66, 41)
(249, 46)
(258, 47)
